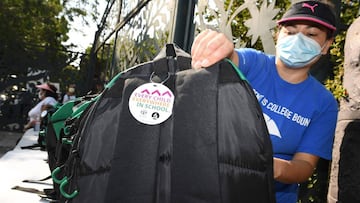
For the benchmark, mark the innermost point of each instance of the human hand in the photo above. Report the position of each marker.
(210, 47)
(29, 125)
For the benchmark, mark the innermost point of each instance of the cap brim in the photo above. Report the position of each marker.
(312, 19)
(45, 87)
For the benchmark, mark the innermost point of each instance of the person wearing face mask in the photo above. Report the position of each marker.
(48, 98)
(300, 113)
(69, 95)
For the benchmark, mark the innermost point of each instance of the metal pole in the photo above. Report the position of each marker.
(184, 24)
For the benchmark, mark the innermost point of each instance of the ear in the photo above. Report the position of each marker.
(277, 32)
(327, 46)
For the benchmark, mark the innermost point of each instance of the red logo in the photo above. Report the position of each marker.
(306, 5)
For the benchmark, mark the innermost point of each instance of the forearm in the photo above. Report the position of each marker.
(46, 107)
(30, 124)
(296, 170)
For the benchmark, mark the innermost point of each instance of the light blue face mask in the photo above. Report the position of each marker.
(297, 51)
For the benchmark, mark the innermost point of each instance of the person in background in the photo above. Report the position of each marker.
(98, 87)
(300, 113)
(70, 94)
(48, 98)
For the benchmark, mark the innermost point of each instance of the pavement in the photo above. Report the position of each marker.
(18, 165)
(8, 141)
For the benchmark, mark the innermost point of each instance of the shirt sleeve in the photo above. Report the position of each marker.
(319, 137)
(253, 62)
(34, 113)
(49, 101)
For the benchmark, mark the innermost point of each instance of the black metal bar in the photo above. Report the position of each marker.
(127, 18)
(184, 29)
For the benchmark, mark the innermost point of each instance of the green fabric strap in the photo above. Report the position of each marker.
(240, 74)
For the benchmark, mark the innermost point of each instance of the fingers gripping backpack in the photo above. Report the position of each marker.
(213, 147)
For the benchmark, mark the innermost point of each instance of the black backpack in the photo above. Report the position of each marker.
(58, 127)
(214, 147)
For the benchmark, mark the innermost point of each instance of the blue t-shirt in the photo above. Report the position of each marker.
(300, 117)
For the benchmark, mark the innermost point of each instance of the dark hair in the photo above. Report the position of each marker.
(53, 94)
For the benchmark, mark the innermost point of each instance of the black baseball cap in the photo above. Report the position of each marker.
(313, 11)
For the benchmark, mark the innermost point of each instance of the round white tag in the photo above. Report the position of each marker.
(151, 103)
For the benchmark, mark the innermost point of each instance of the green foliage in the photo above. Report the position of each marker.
(239, 30)
(29, 28)
(337, 53)
(32, 37)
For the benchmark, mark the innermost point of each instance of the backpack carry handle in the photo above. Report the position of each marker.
(65, 194)
(54, 173)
